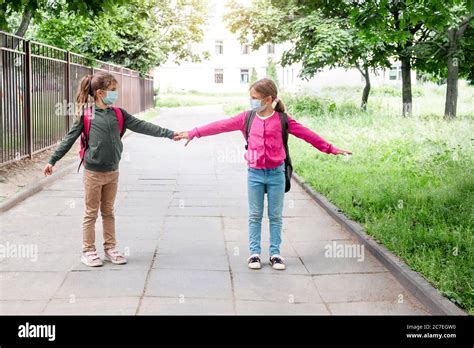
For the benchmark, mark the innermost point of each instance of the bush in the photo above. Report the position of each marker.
(392, 91)
(317, 106)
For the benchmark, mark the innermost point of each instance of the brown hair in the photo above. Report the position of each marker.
(88, 87)
(266, 87)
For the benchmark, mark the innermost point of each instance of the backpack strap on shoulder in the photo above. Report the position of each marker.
(86, 117)
(284, 130)
(248, 123)
(119, 114)
(87, 122)
(284, 135)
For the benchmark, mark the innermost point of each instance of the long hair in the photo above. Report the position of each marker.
(266, 87)
(88, 87)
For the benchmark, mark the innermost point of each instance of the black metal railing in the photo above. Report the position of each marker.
(38, 83)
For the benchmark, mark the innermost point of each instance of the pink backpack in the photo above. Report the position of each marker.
(87, 129)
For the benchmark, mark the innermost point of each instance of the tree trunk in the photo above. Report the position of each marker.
(453, 74)
(454, 36)
(406, 86)
(366, 91)
(25, 22)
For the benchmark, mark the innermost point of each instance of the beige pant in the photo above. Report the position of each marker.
(100, 193)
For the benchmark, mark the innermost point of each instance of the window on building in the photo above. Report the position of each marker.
(245, 49)
(395, 73)
(270, 49)
(219, 76)
(244, 76)
(219, 47)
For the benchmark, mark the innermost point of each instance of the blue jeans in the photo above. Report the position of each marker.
(275, 181)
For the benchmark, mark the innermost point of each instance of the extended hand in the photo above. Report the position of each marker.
(343, 152)
(182, 135)
(176, 136)
(48, 169)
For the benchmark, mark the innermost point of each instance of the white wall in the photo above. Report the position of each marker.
(200, 76)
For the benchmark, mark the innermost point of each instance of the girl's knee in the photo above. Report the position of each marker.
(275, 219)
(256, 216)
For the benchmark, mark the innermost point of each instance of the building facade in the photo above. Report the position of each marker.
(231, 64)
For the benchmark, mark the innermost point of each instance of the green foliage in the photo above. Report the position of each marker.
(271, 71)
(253, 76)
(194, 98)
(92, 37)
(321, 33)
(138, 34)
(362, 34)
(319, 106)
(437, 52)
(396, 92)
(418, 29)
(84, 8)
(262, 21)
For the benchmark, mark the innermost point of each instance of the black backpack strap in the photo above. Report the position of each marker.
(85, 143)
(80, 164)
(248, 123)
(284, 130)
(288, 165)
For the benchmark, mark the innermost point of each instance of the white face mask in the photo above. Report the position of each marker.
(110, 97)
(257, 105)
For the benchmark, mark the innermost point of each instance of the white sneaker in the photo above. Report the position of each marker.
(254, 261)
(114, 256)
(91, 259)
(277, 262)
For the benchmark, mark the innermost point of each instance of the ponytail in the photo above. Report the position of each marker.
(279, 107)
(82, 98)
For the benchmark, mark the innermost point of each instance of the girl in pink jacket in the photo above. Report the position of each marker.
(266, 162)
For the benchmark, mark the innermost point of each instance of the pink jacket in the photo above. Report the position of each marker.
(265, 150)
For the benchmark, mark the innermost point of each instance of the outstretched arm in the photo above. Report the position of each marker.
(67, 142)
(65, 145)
(144, 127)
(222, 126)
(300, 131)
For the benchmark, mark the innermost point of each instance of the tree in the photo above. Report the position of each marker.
(400, 25)
(272, 71)
(32, 10)
(253, 76)
(451, 48)
(140, 34)
(321, 42)
(454, 34)
(89, 36)
(320, 32)
(365, 34)
(407, 26)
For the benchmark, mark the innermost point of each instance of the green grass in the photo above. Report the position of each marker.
(410, 181)
(149, 114)
(193, 98)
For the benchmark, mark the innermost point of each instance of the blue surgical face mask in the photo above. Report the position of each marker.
(110, 97)
(256, 105)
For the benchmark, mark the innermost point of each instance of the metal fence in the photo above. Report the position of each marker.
(37, 84)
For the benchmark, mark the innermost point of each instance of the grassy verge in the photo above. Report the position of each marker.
(177, 99)
(410, 182)
(149, 114)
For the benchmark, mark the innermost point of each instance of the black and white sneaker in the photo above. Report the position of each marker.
(254, 261)
(277, 262)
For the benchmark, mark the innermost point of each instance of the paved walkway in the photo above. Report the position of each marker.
(181, 218)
